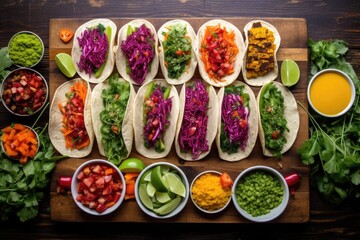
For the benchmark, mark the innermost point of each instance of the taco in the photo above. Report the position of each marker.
(196, 128)
(92, 51)
(111, 110)
(262, 41)
(238, 122)
(177, 51)
(220, 52)
(70, 124)
(138, 67)
(156, 111)
(279, 119)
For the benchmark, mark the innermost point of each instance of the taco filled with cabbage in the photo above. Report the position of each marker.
(197, 125)
(262, 41)
(238, 122)
(70, 123)
(137, 58)
(177, 51)
(155, 116)
(111, 110)
(279, 119)
(92, 50)
(220, 52)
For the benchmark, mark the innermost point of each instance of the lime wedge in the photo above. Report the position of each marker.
(144, 198)
(156, 179)
(150, 190)
(65, 64)
(290, 72)
(168, 207)
(162, 197)
(175, 184)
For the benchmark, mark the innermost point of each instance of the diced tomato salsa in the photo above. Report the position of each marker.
(99, 188)
(24, 92)
(218, 52)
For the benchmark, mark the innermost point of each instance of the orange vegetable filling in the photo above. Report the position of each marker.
(73, 128)
(19, 142)
(218, 52)
(66, 35)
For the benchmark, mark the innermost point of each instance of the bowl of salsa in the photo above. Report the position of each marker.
(331, 93)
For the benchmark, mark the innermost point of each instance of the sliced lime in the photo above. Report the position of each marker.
(162, 197)
(146, 177)
(290, 72)
(145, 199)
(174, 184)
(150, 190)
(65, 64)
(157, 181)
(168, 207)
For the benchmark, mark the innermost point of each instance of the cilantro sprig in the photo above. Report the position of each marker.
(333, 151)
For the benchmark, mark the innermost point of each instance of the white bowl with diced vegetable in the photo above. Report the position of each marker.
(162, 190)
(260, 194)
(98, 187)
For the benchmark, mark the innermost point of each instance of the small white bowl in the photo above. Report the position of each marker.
(24, 47)
(193, 200)
(275, 212)
(75, 185)
(7, 90)
(353, 93)
(183, 201)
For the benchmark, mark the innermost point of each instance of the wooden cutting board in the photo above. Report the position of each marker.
(293, 32)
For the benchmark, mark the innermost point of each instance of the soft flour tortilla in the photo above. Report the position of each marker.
(97, 107)
(121, 59)
(212, 113)
(190, 69)
(239, 58)
(76, 50)
(138, 121)
(292, 117)
(271, 76)
(55, 121)
(252, 121)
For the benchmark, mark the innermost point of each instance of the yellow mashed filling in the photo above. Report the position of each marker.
(208, 193)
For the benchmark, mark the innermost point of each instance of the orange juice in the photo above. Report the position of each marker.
(330, 93)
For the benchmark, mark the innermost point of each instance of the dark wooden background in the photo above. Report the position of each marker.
(325, 19)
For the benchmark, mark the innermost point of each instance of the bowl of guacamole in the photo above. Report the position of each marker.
(26, 49)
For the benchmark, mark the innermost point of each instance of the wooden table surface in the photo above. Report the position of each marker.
(325, 20)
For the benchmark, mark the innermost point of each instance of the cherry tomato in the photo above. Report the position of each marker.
(66, 35)
(225, 180)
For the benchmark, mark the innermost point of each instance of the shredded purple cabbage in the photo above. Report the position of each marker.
(192, 136)
(94, 46)
(157, 110)
(232, 113)
(139, 51)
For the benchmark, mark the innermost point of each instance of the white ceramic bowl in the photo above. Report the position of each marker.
(23, 47)
(193, 200)
(352, 98)
(6, 91)
(183, 201)
(275, 212)
(75, 186)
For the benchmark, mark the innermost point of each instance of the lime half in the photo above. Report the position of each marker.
(290, 72)
(65, 64)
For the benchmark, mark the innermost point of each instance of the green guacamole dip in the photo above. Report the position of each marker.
(25, 49)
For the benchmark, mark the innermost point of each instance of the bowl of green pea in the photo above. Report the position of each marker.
(26, 49)
(260, 194)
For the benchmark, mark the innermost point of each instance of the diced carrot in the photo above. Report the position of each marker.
(19, 127)
(33, 141)
(109, 171)
(131, 175)
(24, 146)
(23, 160)
(12, 134)
(67, 132)
(15, 143)
(22, 151)
(32, 153)
(130, 189)
(4, 137)
(7, 129)
(34, 147)
(129, 196)
(9, 151)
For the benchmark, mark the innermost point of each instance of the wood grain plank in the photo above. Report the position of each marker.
(294, 36)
